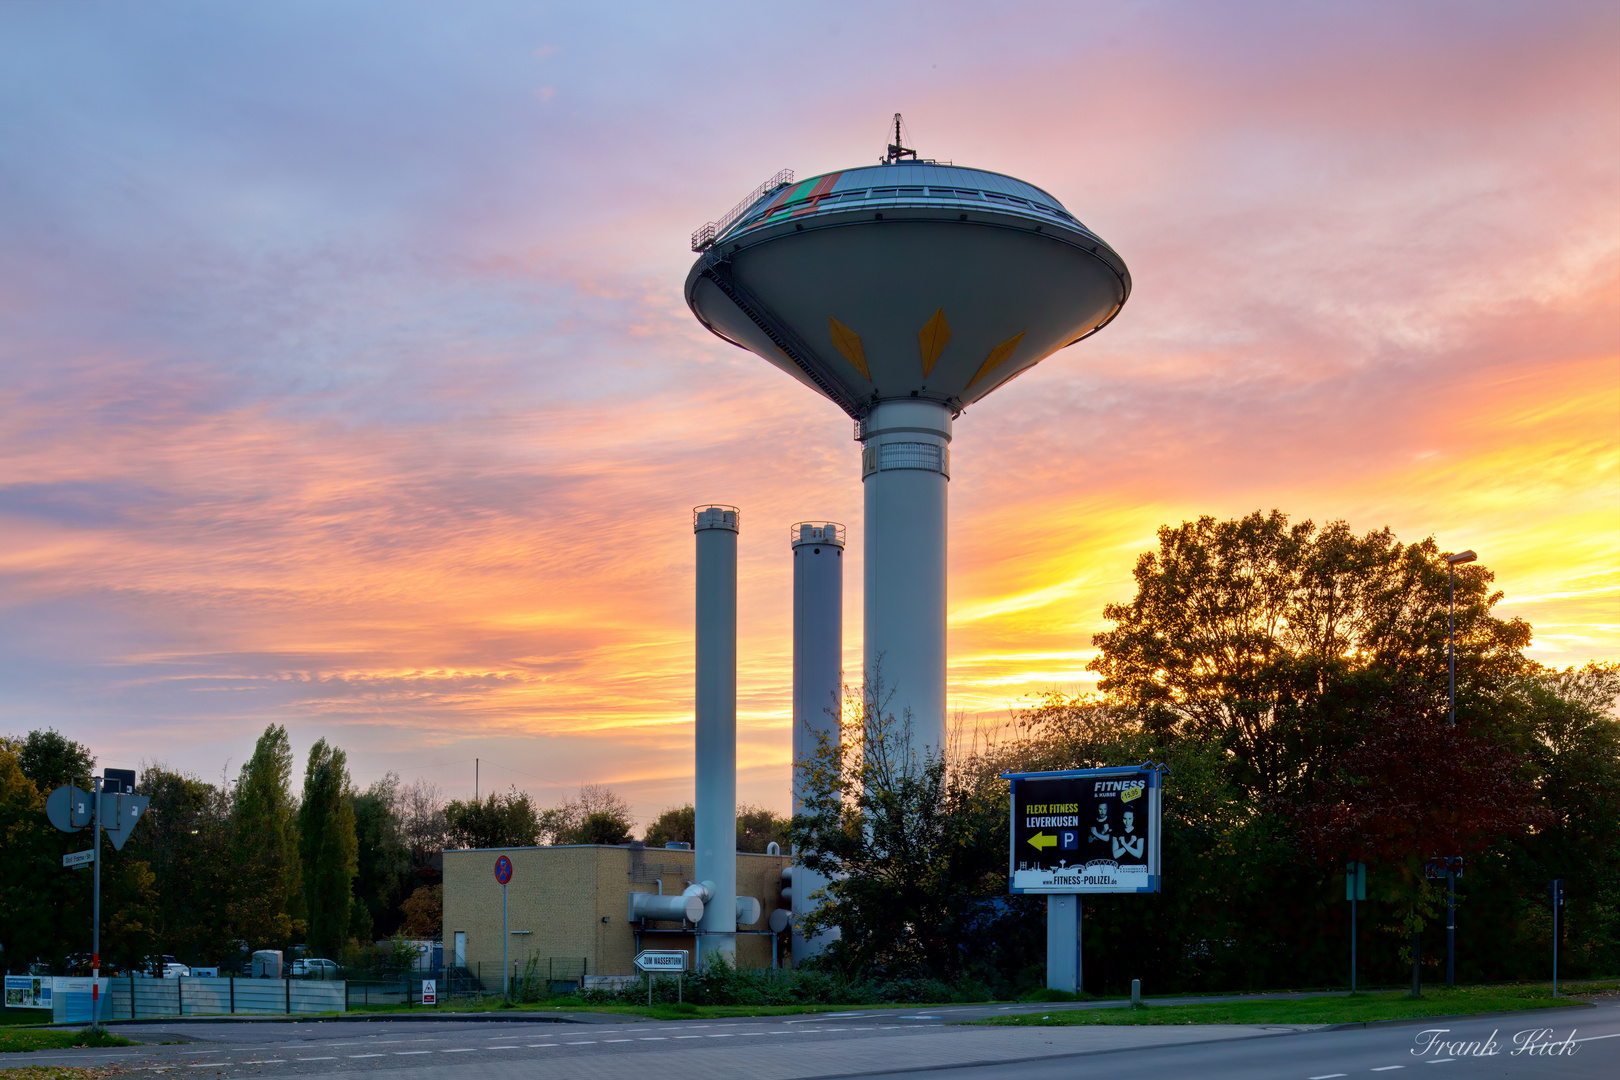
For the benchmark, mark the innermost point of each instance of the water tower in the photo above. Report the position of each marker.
(904, 292)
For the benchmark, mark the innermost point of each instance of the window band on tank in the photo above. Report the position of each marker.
(929, 457)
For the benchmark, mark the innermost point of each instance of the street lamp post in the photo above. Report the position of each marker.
(1452, 562)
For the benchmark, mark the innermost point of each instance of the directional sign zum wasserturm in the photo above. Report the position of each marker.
(1086, 831)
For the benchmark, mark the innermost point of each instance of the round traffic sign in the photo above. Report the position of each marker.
(503, 869)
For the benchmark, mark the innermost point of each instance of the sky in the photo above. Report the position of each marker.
(346, 380)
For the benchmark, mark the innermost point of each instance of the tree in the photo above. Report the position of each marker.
(28, 927)
(423, 823)
(676, 825)
(570, 822)
(384, 867)
(1277, 641)
(44, 914)
(500, 820)
(50, 759)
(757, 827)
(267, 866)
(914, 848)
(424, 912)
(185, 838)
(327, 848)
(1570, 733)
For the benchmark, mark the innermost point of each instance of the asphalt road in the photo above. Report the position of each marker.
(852, 1044)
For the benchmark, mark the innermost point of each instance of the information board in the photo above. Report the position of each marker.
(28, 991)
(1086, 831)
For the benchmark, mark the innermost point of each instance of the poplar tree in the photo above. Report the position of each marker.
(263, 839)
(328, 848)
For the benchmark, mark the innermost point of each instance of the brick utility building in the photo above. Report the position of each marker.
(568, 907)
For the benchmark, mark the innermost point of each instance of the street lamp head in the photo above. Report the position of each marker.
(1461, 557)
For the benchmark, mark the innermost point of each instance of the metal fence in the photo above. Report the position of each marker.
(135, 998)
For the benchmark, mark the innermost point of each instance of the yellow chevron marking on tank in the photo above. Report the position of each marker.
(931, 340)
(848, 342)
(997, 356)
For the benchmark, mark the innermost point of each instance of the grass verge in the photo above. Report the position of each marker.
(58, 1072)
(1357, 1008)
(22, 1040)
(658, 1010)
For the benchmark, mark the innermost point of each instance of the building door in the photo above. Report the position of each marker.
(461, 948)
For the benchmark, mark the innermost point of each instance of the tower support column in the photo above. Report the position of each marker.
(715, 804)
(905, 467)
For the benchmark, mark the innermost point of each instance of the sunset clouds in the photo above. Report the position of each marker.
(345, 379)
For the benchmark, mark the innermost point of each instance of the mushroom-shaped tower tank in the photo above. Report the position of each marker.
(903, 292)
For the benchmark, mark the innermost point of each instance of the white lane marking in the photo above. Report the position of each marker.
(267, 1061)
(1591, 1038)
(1438, 1061)
(366, 1055)
(587, 1042)
(841, 1016)
(1387, 1068)
(632, 1040)
(1327, 1076)
(408, 1053)
(513, 1046)
(689, 1036)
(725, 1036)
(318, 1059)
(542, 1044)
(211, 1065)
(463, 1050)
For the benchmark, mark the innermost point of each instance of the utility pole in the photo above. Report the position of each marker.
(1452, 562)
(95, 913)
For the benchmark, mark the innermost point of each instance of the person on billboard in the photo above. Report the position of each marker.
(1099, 831)
(1129, 844)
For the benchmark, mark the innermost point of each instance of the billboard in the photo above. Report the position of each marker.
(1086, 830)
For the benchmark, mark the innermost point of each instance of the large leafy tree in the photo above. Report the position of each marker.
(1279, 642)
(500, 819)
(384, 868)
(267, 908)
(328, 848)
(185, 837)
(51, 759)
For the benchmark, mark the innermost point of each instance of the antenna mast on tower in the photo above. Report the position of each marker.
(897, 149)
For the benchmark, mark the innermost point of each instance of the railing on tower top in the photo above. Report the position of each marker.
(706, 236)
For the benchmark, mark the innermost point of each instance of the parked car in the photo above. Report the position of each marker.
(314, 968)
(172, 970)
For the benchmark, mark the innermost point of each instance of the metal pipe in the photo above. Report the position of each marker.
(715, 805)
(905, 468)
(818, 675)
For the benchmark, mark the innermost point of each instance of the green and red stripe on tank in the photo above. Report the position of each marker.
(805, 195)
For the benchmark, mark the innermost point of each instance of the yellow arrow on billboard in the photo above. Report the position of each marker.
(1043, 840)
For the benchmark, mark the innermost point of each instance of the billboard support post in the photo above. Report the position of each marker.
(1063, 951)
(1082, 831)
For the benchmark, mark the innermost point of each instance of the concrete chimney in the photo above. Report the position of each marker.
(716, 715)
(818, 672)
